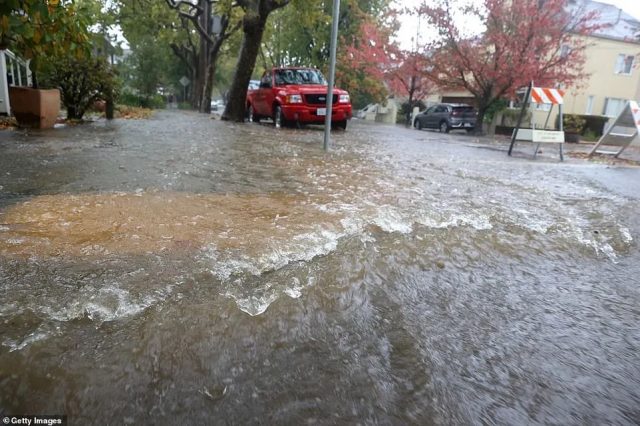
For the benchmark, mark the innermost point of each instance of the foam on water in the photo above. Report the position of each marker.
(36, 336)
(99, 305)
(254, 305)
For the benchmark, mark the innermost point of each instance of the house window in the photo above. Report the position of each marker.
(565, 49)
(624, 64)
(590, 100)
(613, 106)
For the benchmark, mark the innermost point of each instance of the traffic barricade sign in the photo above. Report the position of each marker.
(540, 95)
(620, 133)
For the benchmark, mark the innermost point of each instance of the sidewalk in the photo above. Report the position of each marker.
(580, 151)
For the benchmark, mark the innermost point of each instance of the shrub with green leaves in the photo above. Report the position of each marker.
(82, 81)
(574, 123)
(143, 101)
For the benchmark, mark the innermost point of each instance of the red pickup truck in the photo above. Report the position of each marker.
(296, 95)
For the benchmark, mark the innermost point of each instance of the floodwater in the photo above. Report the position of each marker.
(183, 270)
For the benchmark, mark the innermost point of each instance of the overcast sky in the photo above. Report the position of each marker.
(409, 27)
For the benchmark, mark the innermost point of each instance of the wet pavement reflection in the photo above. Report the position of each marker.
(182, 269)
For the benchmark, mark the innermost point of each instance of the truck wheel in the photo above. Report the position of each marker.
(253, 117)
(444, 127)
(342, 124)
(278, 119)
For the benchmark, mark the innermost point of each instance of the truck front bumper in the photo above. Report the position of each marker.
(314, 114)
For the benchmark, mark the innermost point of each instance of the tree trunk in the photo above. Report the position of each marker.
(412, 89)
(205, 61)
(482, 110)
(205, 96)
(213, 54)
(253, 28)
(198, 82)
(109, 109)
(74, 113)
(205, 106)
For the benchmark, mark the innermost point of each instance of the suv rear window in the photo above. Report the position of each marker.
(464, 108)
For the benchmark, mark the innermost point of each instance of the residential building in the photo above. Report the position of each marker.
(613, 56)
(612, 62)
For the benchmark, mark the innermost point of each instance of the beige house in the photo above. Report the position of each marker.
(613, 63)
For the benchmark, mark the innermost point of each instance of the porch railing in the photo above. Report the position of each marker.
(14, 71)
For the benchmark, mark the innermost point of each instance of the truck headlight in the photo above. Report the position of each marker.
(344, 99)
(294, 99)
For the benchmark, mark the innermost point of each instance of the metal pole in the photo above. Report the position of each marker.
(332, 74)
(562, 130)
(525, 104)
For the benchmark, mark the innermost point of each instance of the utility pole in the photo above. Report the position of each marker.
(332, 74)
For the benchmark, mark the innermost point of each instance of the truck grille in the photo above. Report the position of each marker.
(320, 99)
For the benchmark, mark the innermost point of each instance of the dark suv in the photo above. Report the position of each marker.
(446, 117)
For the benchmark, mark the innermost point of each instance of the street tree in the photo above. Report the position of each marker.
(299, 35)
(408, 79)
(37, 29)
(214, 21)
(366, 60)
(185, 30)
(523, 41)
(254, 21)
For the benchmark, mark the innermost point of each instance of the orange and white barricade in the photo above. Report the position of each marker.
(540, 95)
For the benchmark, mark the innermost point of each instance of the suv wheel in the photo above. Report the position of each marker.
(278, 119)
(444, 127)
(342, 124)
(418, 124)
(253, 117)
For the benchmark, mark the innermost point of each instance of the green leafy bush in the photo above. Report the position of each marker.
(594, 124)
(135, 100)
(590, 136)
(573, 123)
(401, 118)
(496, 107)
(82, 80)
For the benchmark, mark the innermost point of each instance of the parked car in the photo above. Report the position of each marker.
(217, 105)
(446, 117)
(296, 95)
(254, 84)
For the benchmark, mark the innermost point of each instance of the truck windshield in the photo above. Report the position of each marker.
(299, 76)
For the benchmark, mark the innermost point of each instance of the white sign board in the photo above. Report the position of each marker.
(216, 24)
(540, 136)
(548, 136)
(622, 131)
(185, 81)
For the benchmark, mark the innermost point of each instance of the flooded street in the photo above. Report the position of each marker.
(183, 270)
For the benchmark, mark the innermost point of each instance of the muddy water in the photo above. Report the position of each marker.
(184, 270)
